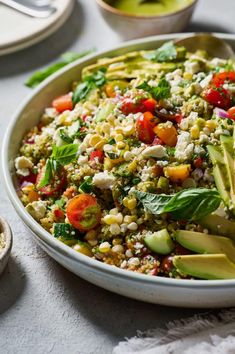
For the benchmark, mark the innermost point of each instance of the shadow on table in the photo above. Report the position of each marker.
(117, 316)
(45, 51)
(206, 27)
(12, 284)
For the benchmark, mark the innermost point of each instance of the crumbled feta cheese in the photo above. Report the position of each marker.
(188, 121)
(82, 160)
(218, 62)
(37, 209)
(203, 138)
(57, 137)
(23, 165)
(103, 180)
(205, 82)
(184, 148)
(192, 67)
(157, 151)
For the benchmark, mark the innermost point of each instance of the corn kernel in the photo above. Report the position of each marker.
(121, 145)
(195, 132)
(132, 226)
(99, 129)
(104, 247)
(132, 166)
(113, 211)
(127, 156)
(83, 249)
(106, 128)
(95, 139)
(110, 219)
(115, 229)
(211, 124)
(118, 130)
(118, 137)
(187, 76)
(129, 218)
(118, 249)
(100, 144)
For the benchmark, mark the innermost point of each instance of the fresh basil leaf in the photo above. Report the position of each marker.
(188, 204)
(52, 166)
(193, 204)
(162, 90)
(167, 52)
(97, 79)
(154, 203)
(65, 154)
(41, 75)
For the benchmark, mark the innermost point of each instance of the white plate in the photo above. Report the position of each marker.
(159, 290)
(18, 31)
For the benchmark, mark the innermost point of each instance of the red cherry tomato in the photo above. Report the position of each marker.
(150, 104)
(83, 212)
(167, 265)
(231, 113)
(144, 128)
(63, 103)
(59, 214)
(218, 97)
(97, 155)
(129, 105)
(220, 78)
(198, 162)
(56, 184)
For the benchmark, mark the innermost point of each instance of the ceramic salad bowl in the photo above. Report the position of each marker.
(159, 290)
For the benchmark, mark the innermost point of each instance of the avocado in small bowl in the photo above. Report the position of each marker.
(140, 18)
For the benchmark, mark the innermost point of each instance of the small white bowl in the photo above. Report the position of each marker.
(131, 26)
(5, 252)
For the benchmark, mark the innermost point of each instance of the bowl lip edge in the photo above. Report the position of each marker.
(110, 9)
(58, 246)
(6, 230)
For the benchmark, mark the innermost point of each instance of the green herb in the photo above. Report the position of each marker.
(136, 180)
(60, 203)
(170, 151)
(162, 90)
(66, 59)
(65, 154)
(167, 52)
(112, 155)
(111, 141)
(65, 137)
(61, 156)
(97, 79)
(66, 231)
(86, 186)
(189, 204)
(52, 167)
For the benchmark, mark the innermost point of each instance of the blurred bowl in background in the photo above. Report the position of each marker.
(130, 26)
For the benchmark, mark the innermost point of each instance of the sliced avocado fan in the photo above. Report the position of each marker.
(205, 266)
(218, 225)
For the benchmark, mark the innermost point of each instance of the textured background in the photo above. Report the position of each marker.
(43, 307)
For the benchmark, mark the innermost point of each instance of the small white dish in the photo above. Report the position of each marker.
(19, 31)
(7, 243)
(154, 289)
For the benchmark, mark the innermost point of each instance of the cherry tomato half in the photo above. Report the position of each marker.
(144, 128)
(198, 162)
(83, 212)
(63, 103)
(220, 78)
(97, 155)
(218, 97)
(129, 105)
(231, 113)
(55, 186)
(150, 104)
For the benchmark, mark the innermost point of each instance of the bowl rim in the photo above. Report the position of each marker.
(6, 230)
(45, 237)
(103, 4)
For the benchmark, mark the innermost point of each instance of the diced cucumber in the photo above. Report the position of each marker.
(159, 242)
(65, 233)
(104, 111)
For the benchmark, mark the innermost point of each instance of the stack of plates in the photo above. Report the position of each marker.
(18, 31)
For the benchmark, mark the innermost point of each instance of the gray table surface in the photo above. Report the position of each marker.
(44, 308)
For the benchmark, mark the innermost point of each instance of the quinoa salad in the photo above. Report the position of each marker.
(135, 166)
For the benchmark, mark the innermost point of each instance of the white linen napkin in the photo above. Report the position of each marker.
(200, 334)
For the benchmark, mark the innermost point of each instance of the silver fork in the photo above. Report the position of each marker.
(40, 9)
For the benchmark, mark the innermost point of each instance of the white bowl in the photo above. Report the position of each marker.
(131, 26)
(5, 252)
(154, 289)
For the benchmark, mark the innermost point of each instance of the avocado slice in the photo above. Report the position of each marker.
(220, 172)
(205, 266)
(228, 152)
(159, 242)
(218, 225)
(203, 243)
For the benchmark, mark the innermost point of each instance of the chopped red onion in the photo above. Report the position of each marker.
(221, 113)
